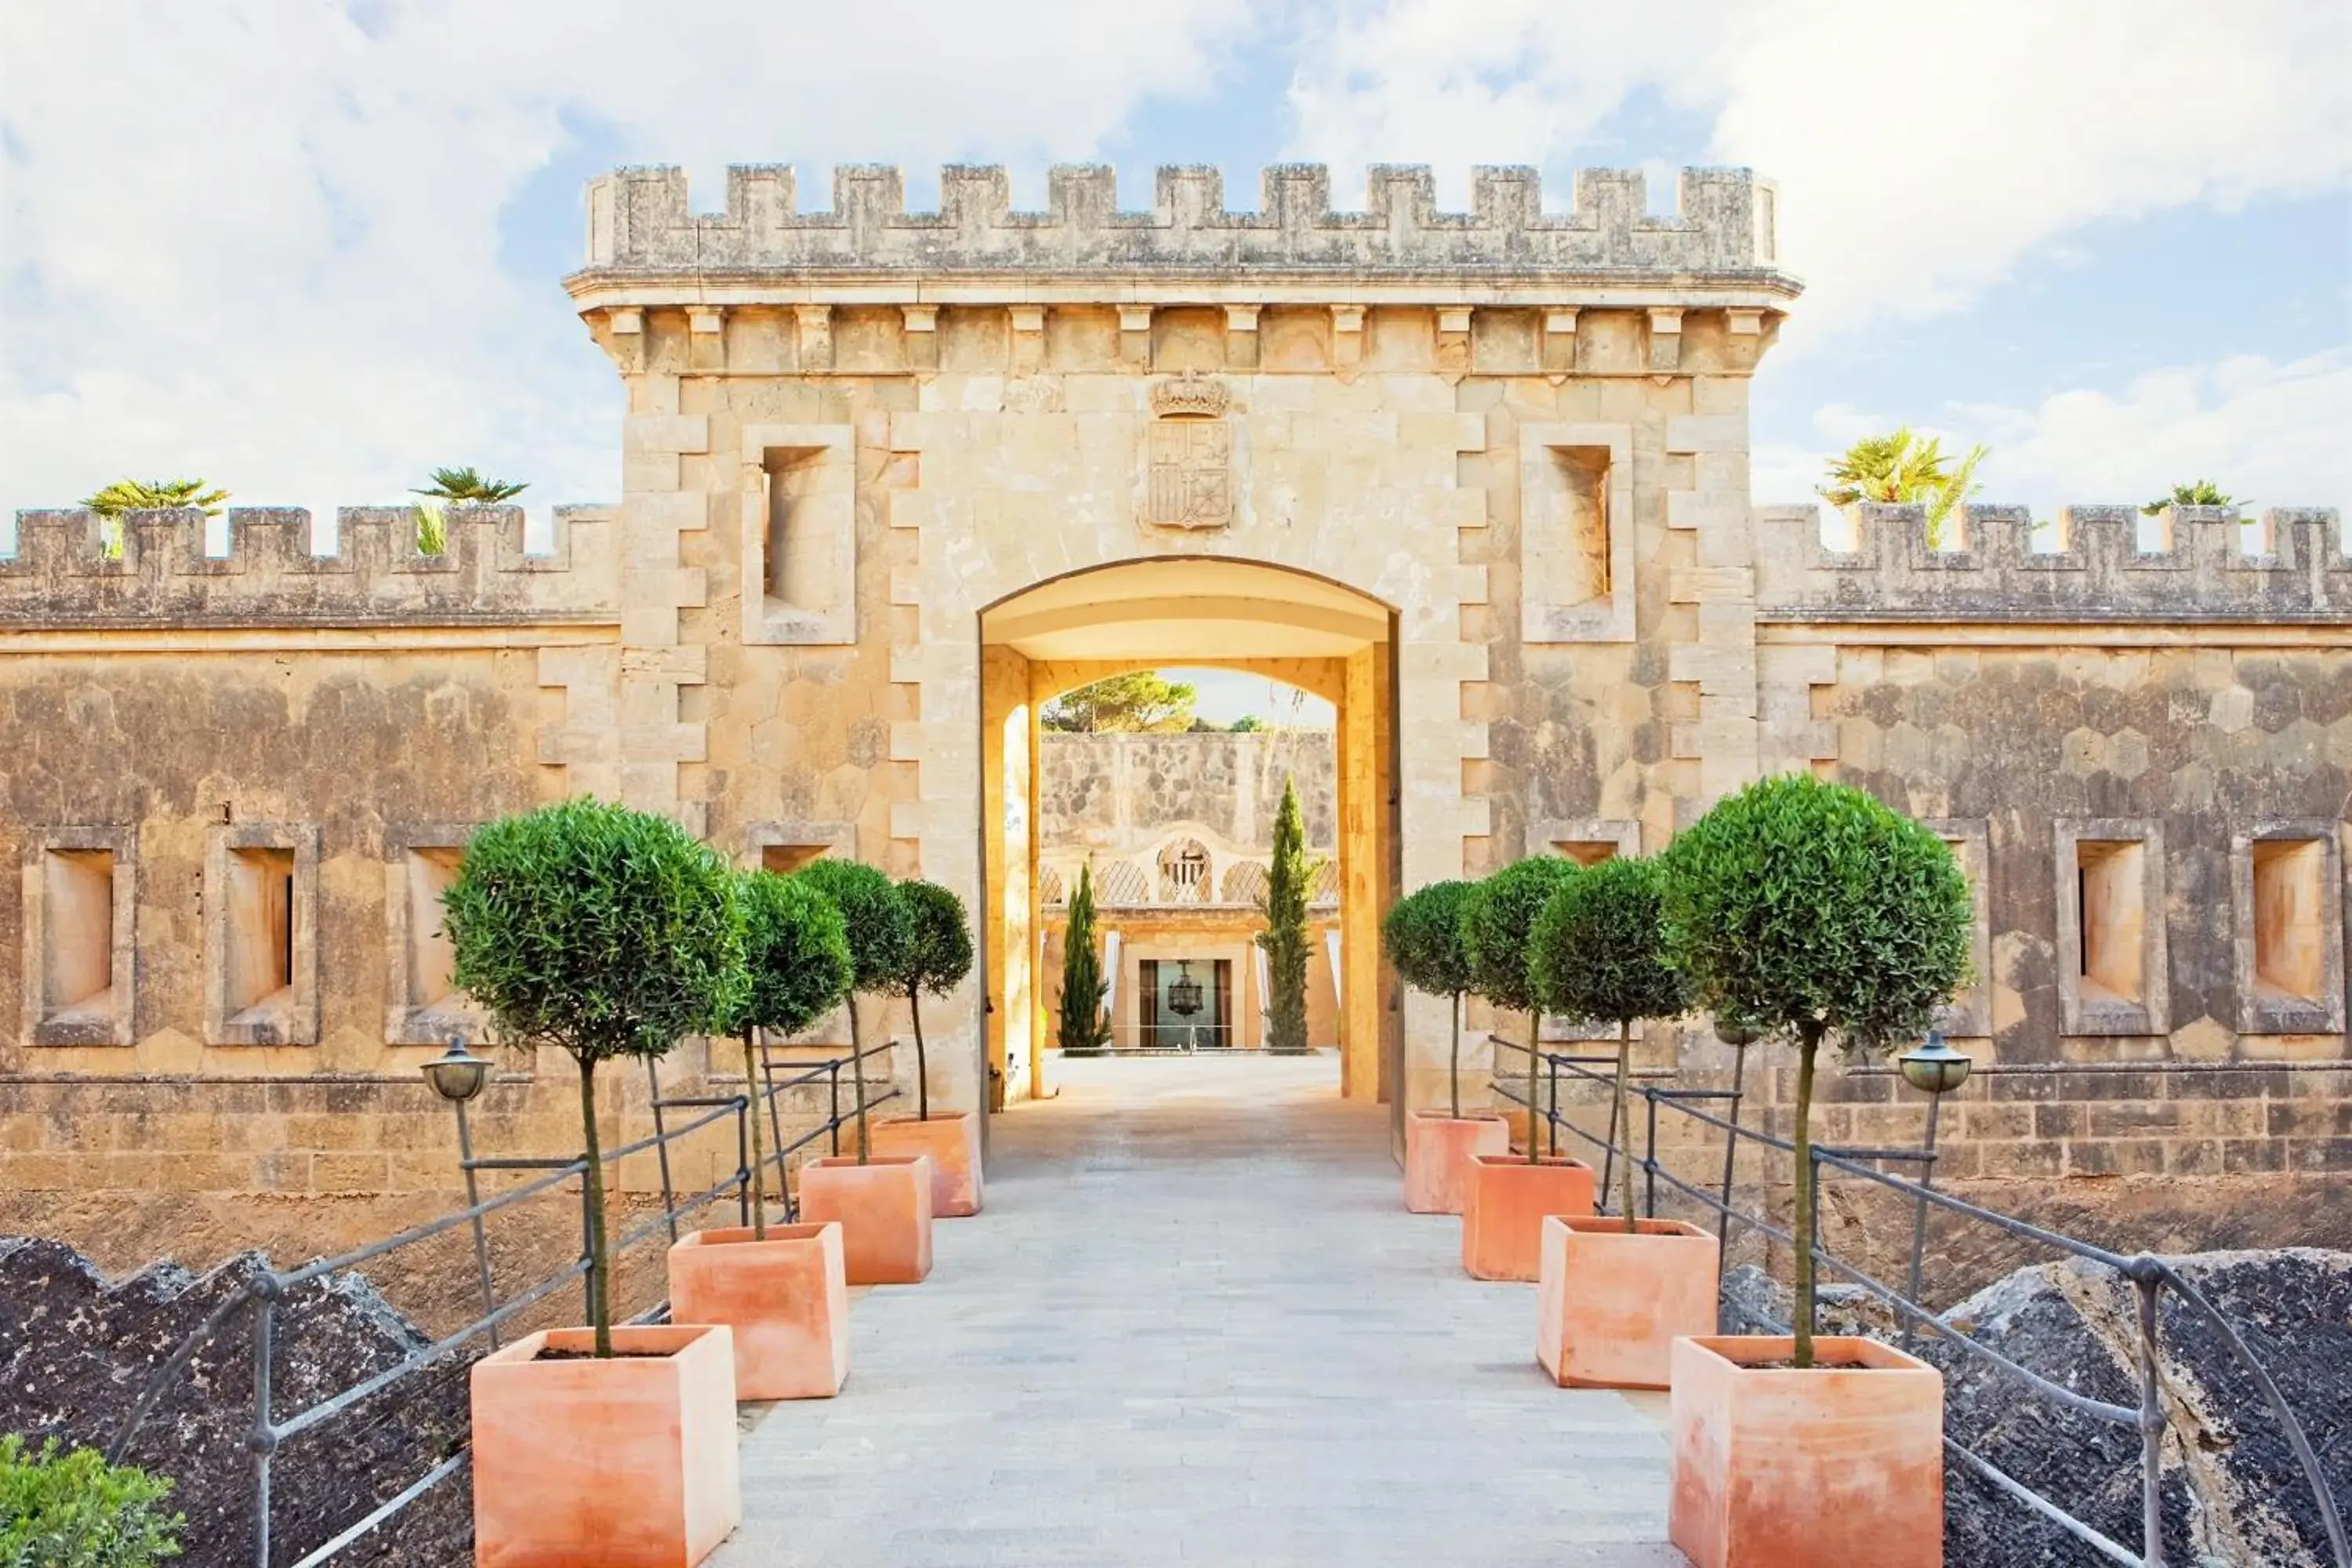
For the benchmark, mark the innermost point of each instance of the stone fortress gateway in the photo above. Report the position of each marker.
(893, 480)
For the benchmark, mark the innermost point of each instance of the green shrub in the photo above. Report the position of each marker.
(880, 932)
(796, 967)
(1498, 923)
(605, 932)
(1285, 941)
(1422, 935)
(939, 956)
(1080, 1024)
(1809, 910)
(1599, 956)
(76, 1511)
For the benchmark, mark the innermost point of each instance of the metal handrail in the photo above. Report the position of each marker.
(2149, 1275)
(266, 1288)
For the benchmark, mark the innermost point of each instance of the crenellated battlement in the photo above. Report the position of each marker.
(61, 576)
(641, 223)
(2203, 570)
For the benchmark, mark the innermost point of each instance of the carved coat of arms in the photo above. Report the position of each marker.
(1190, 481)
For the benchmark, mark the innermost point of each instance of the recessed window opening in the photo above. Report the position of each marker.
(2290, 924)
(2112, 917)
(1586, 851)
(260, 928)
(432, 959)
(1589, 522)
(78, 934)
(784, 859)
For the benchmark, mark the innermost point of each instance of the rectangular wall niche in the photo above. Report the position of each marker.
(422, 1004)
(80, 936)
(261, 985)
(2287, 898)
(800, 534)
(784, 847)
(1576, 542)
(2112, 973)
(1969, 1013)
(1588, 841)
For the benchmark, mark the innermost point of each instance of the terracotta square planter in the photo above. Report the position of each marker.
(1505, 1208)
(953, 1143)
(884, 1210)
(1609, 1306)
(626, 1463)
(1437, 1152)
(786, 1298)
(1773, 1468)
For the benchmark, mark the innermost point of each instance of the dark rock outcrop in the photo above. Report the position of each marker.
(77, 1351)
(2232, 1493)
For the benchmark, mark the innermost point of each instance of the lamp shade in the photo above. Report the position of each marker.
(1934, 1067)
(458, 1074)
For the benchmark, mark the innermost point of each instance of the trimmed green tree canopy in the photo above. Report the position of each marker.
(1598, 953)
(939, 946)
(1499, 921)
(796, 955)
(874, 916)
(1422, 935)
(61, 1510)
(1808, 908)
(604, 931)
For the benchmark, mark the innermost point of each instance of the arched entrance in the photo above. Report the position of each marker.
(1284, 623)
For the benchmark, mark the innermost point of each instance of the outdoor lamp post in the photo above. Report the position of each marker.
(1184, 999)
(1935, 1069)
(457, 1074)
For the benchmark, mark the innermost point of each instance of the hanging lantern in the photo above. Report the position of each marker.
(1185, 992)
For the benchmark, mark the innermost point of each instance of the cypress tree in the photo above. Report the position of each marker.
(1082, 1027)
(1285, 938)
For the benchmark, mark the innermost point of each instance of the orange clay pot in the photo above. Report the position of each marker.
(884, 1210)
(1773, 1468)
(1505, 1208)
(1437, 1154)
(952, 1140)
(625, 1463)
(786, 1298)
(1610, 1305)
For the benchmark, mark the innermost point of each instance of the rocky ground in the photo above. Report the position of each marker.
(2232, 1491)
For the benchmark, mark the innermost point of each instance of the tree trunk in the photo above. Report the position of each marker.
(857, 1079)
(1453, 1063)
(1625, 1122)
(1535, 1027)
(759, 1157)
(591, 1197)
(922, 1067)
(1808, 1040)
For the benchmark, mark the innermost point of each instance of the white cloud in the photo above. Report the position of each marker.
(2272, 434)
(257, 239)
(1922, 151)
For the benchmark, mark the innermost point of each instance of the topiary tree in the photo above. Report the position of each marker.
(76, 1511)
(1498, 921)
(1599, 956)
(1290, 876)
(1423, 937)
(1808, 910)
(875, 920)
(1080, 1024)
(796, 967)
(939, 956)
(606, 933)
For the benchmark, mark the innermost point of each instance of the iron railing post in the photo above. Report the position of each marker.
(587, 1248)
(661, 1148)
(481, 1233)
(263, 1439)
(1552, 1112)
(1811, 1241)
(1650, 1155)
(1609, 1159)
(776, 1127)
(833, 1074)
(750, 1108)
(2151, 1429)
(1730, 1161)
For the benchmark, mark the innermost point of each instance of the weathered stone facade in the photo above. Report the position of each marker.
(891, 481)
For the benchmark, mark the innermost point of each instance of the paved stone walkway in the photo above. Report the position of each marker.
(1194, 1324)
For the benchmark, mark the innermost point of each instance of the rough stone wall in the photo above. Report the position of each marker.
(1119, 793)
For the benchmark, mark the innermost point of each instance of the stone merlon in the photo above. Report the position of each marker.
(641, 227)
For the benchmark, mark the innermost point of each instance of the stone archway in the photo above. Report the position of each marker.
(1332, 641)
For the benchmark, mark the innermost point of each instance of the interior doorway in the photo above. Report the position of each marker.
(1188, 978)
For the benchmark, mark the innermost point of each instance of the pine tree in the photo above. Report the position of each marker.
(1285, 938)
(1081, 1025)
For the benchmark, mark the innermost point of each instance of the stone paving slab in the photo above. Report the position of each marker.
(1195, 1325)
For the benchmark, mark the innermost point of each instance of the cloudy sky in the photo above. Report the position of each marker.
(308, 249)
